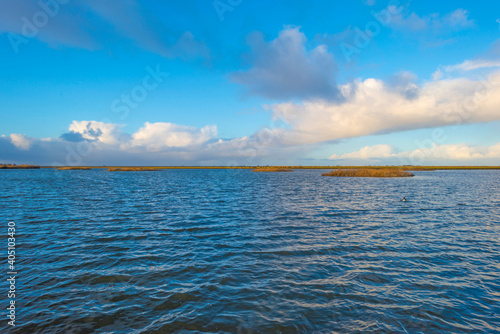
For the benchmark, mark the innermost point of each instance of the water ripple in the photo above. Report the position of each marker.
(231, 251)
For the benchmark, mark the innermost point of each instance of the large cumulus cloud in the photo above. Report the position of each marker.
(374, 107)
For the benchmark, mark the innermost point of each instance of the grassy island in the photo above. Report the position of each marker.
(14, 166)
(272, 169)
(74, 168)
(382, 172)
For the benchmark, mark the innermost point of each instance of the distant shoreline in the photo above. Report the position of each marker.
(406, 168)
(12, 166)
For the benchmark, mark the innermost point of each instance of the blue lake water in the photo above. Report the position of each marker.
(232, 251)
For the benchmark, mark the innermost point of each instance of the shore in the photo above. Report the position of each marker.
(12, 166)
(405, 168)
(365, 172)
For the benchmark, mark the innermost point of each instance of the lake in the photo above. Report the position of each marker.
(232, 251)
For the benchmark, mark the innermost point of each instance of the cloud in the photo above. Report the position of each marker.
(131, 20)
(405, 84)
(458, 19)
(412, 22)
(367, 152)
(466, 66)
(366, 107)
(152, 136)
(106, 133)
(374, 107)
(93, 24)
(97, 143)
(158, 136)
(285, 69)
(21, 141)
(433, 30)
(459, 152)
(450, 152)
(72, 137)
(470, 65)
(24, 19)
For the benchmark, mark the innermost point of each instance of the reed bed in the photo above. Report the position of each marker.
(133, 169)
(272, 169)
(12, 166)
(387, 172)
(407, 167)
(74, 168)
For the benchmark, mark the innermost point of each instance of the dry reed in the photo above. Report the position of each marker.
(74, 168)
(386, 172)
(272, 169)
(133, 169)
(12, 166)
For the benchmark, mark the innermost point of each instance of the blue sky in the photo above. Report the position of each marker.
(249, 82)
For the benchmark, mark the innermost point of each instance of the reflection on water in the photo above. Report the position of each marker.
(231, 251)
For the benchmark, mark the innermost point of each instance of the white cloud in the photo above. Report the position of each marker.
(461, 152)
(97, 143)
(438, 75)
(373, 107)
(466, 66)
(158, 136)
(106, 133)
(457, 152)
(152, 136)
(448, 152)
(367, 152)
(284, 68)
(22, 142)
(470, 65)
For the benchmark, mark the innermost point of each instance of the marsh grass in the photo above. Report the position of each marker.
(272, 169)
(13, 166)
(386, 172)
(133, 169)
(407, 167)
(74, 168)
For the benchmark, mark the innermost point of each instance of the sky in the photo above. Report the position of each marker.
(240, 82)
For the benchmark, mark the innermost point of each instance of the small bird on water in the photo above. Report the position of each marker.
(404, 199)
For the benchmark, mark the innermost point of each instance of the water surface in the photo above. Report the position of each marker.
(231, 251)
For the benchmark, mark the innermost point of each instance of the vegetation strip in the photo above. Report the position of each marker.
(272, 169)
(387, 172)
(74, 168)
(405, 168)
(130, 169)
(14, 166)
